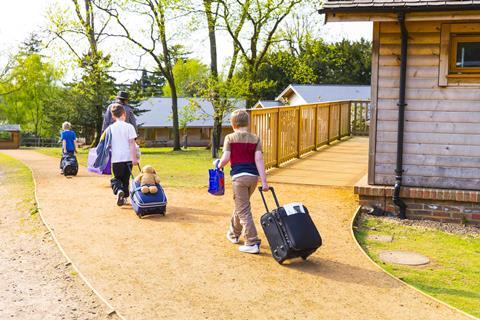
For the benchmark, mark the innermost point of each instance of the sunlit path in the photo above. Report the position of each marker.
(181, 266)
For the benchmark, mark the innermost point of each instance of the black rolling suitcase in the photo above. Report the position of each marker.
(290, 231)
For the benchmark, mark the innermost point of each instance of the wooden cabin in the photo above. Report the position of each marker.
(9, 136)
(155, 127)
(300, 94)
(425, 127)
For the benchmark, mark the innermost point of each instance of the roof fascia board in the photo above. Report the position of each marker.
(290, 88)
(414, 16)
(284, 92)
(397, 9)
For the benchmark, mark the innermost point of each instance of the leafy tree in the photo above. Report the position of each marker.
(188, 114)
(315, 61)
(30, 88)
(150, 84)
(153, 41)
(86, 28)
(258, 22)
(187, 74)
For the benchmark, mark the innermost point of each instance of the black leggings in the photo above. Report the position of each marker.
(121, 176)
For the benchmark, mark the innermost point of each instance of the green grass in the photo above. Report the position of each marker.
(18, 181)
(186, 168)
(452, 276)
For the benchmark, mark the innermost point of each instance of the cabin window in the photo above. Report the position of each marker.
(460, 54)
(150, 134)
(6, 136)
(465, 54)
(205, 133)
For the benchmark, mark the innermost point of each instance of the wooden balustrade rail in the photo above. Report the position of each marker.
(290, 132)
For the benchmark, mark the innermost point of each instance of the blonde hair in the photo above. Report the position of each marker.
(66, 125)
(239, 119)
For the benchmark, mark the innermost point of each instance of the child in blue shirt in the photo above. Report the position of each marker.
(69, 140)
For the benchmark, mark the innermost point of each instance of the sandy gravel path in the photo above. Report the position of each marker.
(35, 281)
(181, 267)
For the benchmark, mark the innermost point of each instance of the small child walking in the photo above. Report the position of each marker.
(244, 152)
(124, 154)
(69, 141)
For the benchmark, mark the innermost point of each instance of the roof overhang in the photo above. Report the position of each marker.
(288, 90)
(390, 13)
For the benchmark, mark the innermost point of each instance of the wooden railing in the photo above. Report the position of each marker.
(290, 132)
(360, 113)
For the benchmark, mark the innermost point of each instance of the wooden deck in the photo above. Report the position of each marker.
(341, 164)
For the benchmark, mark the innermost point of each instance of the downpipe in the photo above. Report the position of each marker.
(397, 200)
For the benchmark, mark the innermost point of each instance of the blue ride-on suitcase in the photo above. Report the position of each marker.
(290, 230)
(145, 204)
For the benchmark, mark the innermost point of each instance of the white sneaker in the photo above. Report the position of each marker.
(232, 239)
(255, 248)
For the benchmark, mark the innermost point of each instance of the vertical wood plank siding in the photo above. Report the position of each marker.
(442, 128)
(290, 132)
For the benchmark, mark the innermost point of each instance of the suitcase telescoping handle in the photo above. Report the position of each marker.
(274, 197)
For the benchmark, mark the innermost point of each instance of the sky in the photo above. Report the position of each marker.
(18, 19)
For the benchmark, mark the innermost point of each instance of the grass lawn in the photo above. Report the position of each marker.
(13, 170)
(186, 168)
(453, 274)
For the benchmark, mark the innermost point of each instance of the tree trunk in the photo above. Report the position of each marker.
(212, 38)
(98, 125)
(218, 129)
(211, 23)
(176, 131)
(216, 134)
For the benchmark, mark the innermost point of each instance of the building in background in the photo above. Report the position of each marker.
(9, 136)
(425, 70)
(299, 94)
(155, 123)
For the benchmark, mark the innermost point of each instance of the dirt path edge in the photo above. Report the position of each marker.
(353, 223)
(111, 311)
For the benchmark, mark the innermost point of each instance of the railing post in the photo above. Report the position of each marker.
(350, 118)
(339, 121)
(279, 137)
(315, 138)
(299, 124)
(354, 123)
(328, 125)
(366, 116)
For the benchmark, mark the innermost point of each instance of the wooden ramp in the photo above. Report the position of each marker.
(341, 164)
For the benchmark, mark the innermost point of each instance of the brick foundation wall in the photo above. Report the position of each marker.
(457, 206)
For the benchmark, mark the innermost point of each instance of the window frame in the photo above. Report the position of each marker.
(4, 134)
(150, 134)
(455, 39)
(449, 74)
(205, 133)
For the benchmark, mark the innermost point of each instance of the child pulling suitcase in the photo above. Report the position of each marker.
(69, 164)
(290, 230)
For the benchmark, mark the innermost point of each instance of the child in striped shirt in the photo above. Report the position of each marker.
(244, 152)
